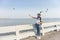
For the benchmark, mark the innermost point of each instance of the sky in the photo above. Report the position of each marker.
(22, 8)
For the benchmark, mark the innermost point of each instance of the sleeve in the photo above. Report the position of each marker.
(35, 18)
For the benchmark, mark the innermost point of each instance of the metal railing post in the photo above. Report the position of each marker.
(42, 31)
(17, 34)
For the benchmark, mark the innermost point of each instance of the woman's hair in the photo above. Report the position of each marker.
(38, 15)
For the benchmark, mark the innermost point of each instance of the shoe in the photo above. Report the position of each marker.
(37, 37)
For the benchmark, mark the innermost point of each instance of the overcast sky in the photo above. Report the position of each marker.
(22, 8)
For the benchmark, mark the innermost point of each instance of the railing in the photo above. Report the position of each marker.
(28, 30)
(8, 33)
(23, 31)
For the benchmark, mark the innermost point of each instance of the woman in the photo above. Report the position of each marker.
(38, 23)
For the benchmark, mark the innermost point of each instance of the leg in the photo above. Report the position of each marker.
(38, 29)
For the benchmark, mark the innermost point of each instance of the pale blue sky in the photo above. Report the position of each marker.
(25, 7)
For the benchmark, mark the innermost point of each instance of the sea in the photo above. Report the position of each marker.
(21, 21)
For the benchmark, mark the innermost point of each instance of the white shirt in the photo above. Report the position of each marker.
(38, 21)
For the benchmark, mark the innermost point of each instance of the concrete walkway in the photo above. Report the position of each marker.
(52, 36)
(49, 36)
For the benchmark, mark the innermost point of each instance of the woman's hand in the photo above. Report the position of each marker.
(32, 16)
